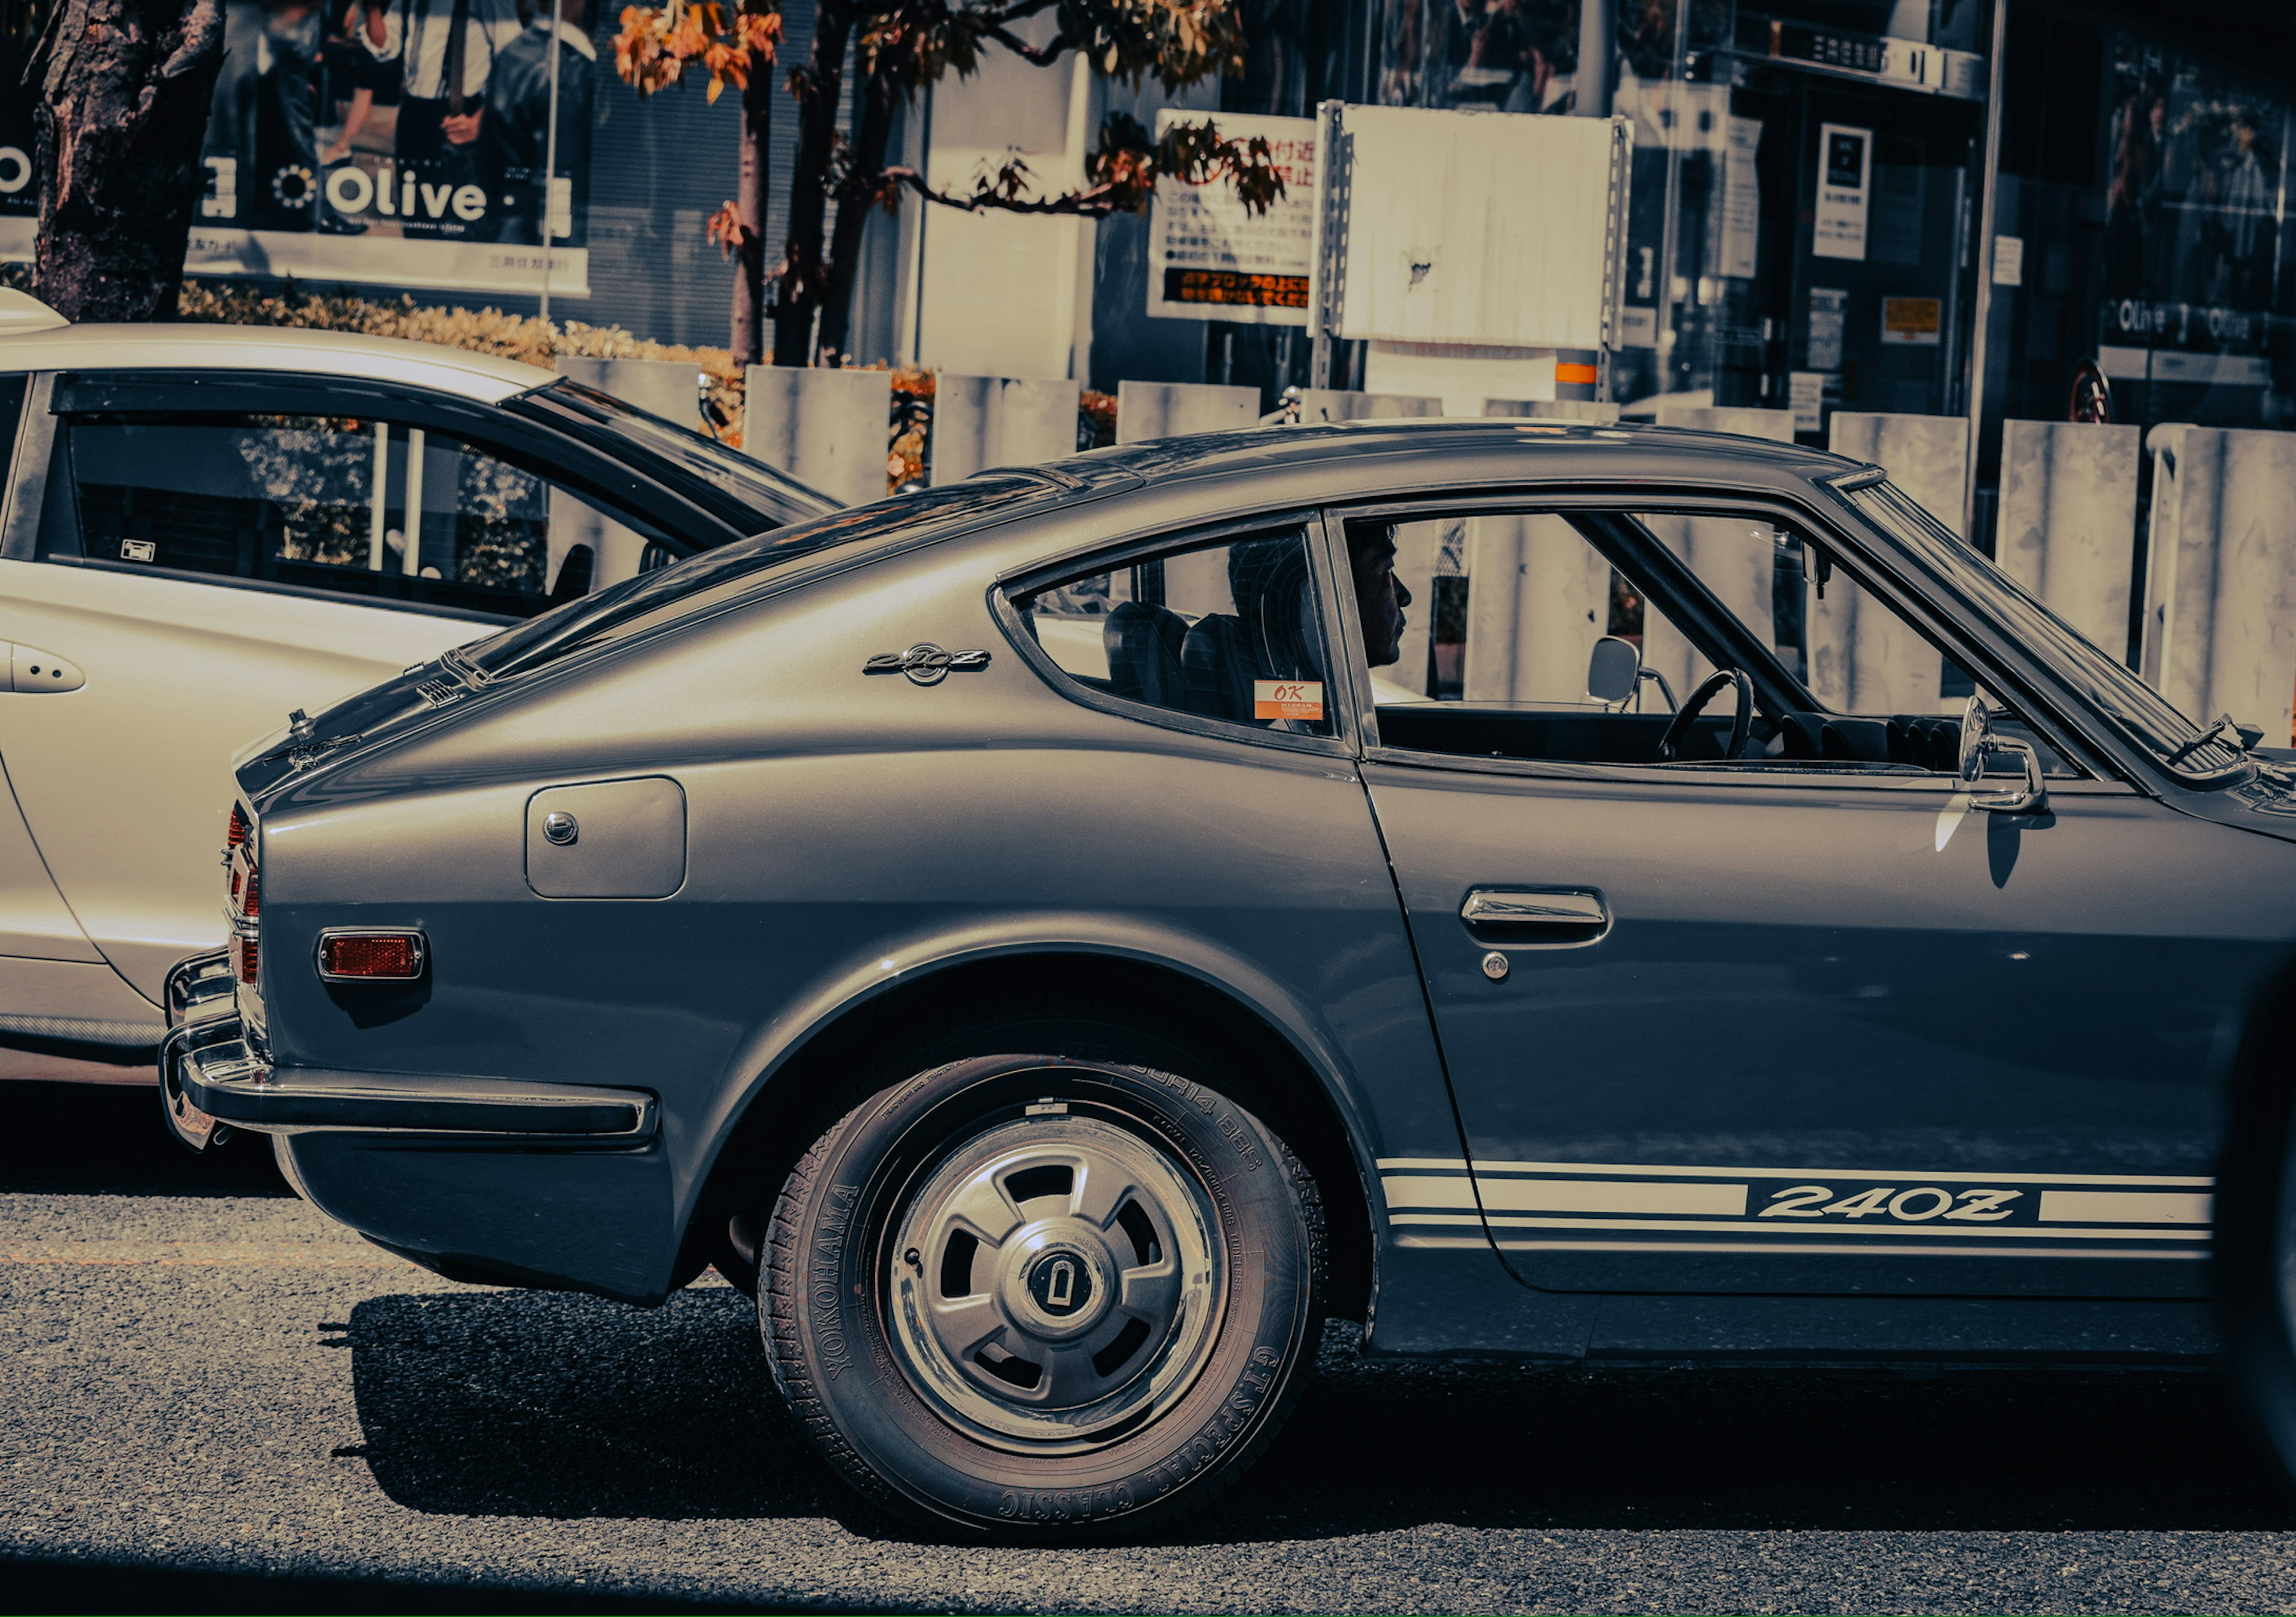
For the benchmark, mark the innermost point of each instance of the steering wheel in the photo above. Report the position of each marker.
(1685, 715)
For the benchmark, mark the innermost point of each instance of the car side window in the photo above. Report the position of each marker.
(1580, 636)
(324, 503)
(1227, 631)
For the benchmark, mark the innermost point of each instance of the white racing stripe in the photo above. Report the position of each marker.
(2125, 1207)
(2137, 1211)
(1909, 1176)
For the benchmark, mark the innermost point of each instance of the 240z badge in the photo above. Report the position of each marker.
(925, 663)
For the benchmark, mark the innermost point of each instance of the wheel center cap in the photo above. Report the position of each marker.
(1060, 1283)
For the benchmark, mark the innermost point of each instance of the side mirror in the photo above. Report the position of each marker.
(1613, 671)
(1979, 743)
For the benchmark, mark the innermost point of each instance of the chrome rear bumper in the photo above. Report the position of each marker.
(212, 1080)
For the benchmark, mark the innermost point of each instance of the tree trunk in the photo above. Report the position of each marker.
(123, 113)
(800, 293)
(750, 203)
(856, 200)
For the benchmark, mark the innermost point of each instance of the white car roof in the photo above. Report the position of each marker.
(480, 377)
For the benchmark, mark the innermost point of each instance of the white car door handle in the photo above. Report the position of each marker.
(32, 672)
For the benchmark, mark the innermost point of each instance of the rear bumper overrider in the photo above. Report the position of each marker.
(212, 1080)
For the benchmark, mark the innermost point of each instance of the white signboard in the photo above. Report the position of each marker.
(1210, 259)
(1741, 199)
(1845, 173)
(1490, 228)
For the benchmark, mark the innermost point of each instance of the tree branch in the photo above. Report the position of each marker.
(1044, 56)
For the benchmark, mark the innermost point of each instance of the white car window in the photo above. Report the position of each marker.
(323, 502)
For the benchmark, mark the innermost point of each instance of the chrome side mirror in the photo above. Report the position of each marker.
(1613, 671)
(1979, 743)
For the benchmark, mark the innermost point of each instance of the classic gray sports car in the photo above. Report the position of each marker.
(1585, 893)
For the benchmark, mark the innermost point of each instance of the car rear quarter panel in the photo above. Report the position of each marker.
(845, 832)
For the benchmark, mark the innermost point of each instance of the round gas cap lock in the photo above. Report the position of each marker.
(1495, 966)
(559, 829)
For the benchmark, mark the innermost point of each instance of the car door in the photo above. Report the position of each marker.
(1806, 1021)
(175, 581)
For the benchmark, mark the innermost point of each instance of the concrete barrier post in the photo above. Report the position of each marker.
(670, 387)
(1336, 404)
(1773, 424)
(1588, 410)
(823, 427)
(2068, 521)
(979, 422)
(1864, 658)
(1167, 410)
(2219, 625)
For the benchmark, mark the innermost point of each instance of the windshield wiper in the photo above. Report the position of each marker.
(2226, 728)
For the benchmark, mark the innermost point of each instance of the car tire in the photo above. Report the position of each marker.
(1040, 1299)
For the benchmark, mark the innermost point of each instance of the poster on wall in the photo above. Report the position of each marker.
(365, 143)
(1845, 173)
(1210, 259)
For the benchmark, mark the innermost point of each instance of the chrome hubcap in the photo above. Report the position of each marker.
(1055, 1280)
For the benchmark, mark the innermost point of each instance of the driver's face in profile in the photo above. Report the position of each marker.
(1379, 596)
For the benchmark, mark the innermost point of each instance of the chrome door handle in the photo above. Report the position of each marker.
(1554, 917)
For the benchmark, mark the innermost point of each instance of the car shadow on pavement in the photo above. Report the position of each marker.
(514, 1403)
(546, 1404)
(107, 1139)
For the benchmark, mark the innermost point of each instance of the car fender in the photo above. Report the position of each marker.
(902, 959)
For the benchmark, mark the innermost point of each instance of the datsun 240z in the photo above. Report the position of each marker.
(1537, 889)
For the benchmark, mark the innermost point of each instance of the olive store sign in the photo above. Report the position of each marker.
(322, 162)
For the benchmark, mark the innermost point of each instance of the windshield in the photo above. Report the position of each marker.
(745, 491)
(723, 575)
(2140, 711)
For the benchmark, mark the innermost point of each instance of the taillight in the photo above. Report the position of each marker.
(245, 956)
(378, 955)
(235, 832)
(246, 890)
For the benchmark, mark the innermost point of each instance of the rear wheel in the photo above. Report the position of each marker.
(1034, 1297)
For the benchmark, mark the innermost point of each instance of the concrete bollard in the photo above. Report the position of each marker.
(1927, 456)
(823, 427)
(670, 387)
(1589, 409)
(1167, 410)
(2068, 521)
(1864, 658)
(979, 422)
(1749, 423)
(1539, 597)
(1336, 404)
(2219, 624)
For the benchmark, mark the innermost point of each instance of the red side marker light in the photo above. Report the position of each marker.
(365, 955)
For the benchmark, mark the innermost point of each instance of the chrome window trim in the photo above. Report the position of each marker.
(1345, 739)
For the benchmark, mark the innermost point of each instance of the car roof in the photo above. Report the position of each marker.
(480, 377)
(1357, 451)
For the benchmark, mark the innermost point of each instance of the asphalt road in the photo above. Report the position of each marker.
(211, 1399)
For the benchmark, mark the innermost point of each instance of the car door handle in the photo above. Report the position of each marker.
(1554, 917)
(30, 670)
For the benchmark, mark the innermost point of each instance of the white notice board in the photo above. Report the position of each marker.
(1845, 173)
(1491, 228)
(1210, 259)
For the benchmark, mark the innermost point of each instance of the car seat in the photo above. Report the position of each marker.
(1218, 663)
(1143, 643)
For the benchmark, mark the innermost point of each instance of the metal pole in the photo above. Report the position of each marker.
(1981, 313)
(1591, 95)
(1330, 250)
(549, 166)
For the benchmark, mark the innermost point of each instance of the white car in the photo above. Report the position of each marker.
(204, 529)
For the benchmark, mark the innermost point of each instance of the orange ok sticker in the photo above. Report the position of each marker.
(1287, 698)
